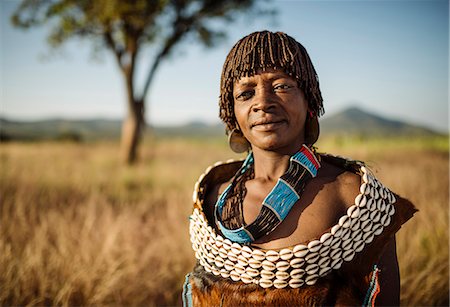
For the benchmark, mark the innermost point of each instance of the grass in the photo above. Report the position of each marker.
(78, 228)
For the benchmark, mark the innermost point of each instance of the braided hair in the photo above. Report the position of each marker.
(267, 50)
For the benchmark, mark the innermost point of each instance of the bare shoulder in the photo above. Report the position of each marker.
(343, 184)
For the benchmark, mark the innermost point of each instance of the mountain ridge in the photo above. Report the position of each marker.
(350, 121)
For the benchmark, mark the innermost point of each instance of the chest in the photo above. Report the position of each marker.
(318, 209)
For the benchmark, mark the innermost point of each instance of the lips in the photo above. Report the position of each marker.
(262, 122)
(268, 123)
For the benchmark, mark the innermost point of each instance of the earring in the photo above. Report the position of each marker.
(237, 142)
(312, 129)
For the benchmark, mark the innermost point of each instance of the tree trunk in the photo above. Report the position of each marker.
(131, 132)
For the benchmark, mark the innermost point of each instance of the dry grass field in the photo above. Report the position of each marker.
(78, 228)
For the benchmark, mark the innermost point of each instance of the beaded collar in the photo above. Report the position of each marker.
(303, 166)
(302, 264)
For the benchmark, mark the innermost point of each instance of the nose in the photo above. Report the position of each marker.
(264, 100)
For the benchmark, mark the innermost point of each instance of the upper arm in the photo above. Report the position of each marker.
(389, 276)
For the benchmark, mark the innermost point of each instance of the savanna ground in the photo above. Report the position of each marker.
(79, 228)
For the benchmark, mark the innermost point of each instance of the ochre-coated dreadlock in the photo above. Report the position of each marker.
(267, 50)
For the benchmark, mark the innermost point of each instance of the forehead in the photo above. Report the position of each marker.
(266, 75)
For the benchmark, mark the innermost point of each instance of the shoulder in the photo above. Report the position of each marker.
(212, 182)
(341, 179)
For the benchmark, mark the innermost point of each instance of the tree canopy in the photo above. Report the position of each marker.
(126, 27)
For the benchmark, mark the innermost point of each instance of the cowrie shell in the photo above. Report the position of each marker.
(346, 234)
(376, 193)
(357, 235)
(210, 257)
(208, 268)
(218, 262)
(365, 178)
(353, 211)
(232, 256)
(228, 265)
(358, 246)
(370, 238)
(311, 280)
(251, 272)
(239, 268)
(235, 249)
(381, 205)
(324, 251)
(366, 225)
(336, 254)
(348, 255)
(326, 238)
(246, 278)
(282, 265)
(344, 221)
(371, 204)
(286, 254)
(258, 254)
(336, 264)
(377, 229)
(224, 274)
(347, 244)
(313, 257)
(324, 262)
(265, 283)
(364, 215)
(312, 269)
(267, 265)
(355, 224)
(314, 246)
(214, 250)
(272, 255)
(215, 271)
(335, 243)
(219, 241)
(227, 244)
(279, 284)
(246, 252)
(297, 262)
(383, 193)
(242, 260)
(363, 188)
(297, 273)
(267, 274)
(361, 200)
(387, 220)
(390, 209)
(363, 169)
(391, 197)
(282, 275)
(296, 283)
(375, 216)
(335, 230)
(324, 271)
(256, 264)
(222, 252)
(300, 251)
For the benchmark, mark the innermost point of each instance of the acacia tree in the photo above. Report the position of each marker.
(126, 27)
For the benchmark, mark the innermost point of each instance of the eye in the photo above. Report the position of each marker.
(245, 95)
(282, 87)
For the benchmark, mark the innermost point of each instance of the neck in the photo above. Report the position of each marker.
(270, 165)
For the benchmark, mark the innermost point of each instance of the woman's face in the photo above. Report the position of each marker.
(271, 111)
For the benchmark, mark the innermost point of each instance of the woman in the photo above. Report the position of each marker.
(288, 226)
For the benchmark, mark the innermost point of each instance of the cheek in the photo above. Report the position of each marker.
(240, 115)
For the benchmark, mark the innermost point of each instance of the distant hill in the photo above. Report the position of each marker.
(352, 121)
(357, 121)
(59, 129)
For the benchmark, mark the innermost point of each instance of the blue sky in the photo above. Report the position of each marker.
(389, 57)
